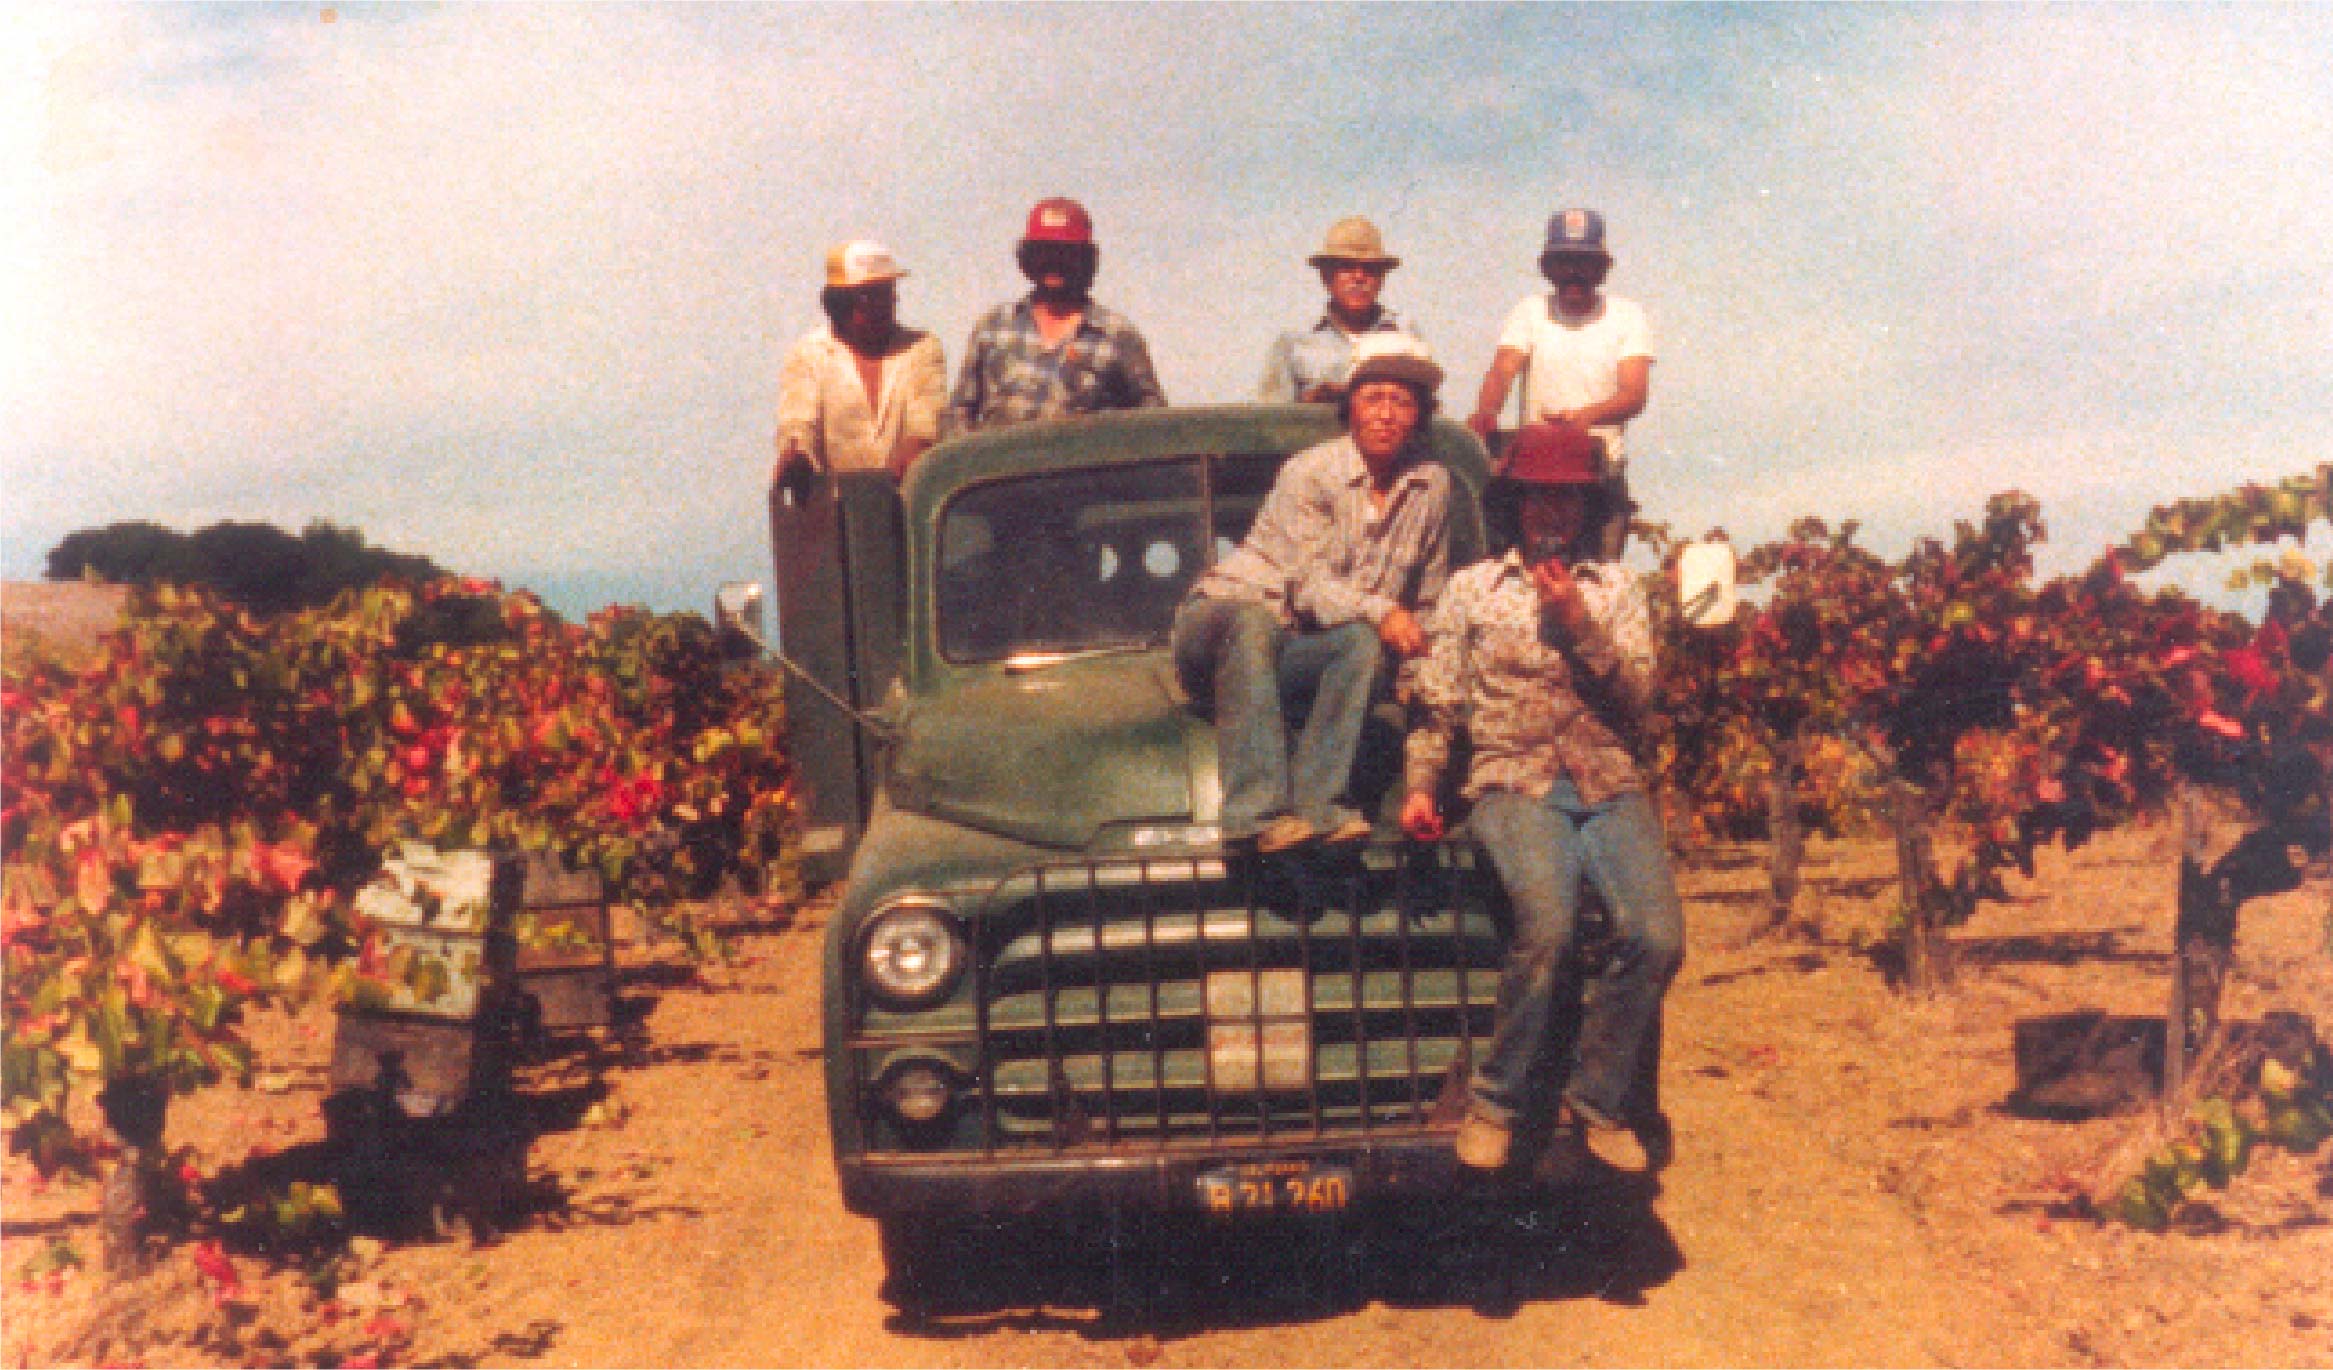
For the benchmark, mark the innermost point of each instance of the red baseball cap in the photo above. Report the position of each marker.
(1059, 220)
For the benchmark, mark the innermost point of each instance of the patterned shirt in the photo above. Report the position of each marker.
(1319, 355)
(1534, 711)
(1321, 553)
(1011, 376)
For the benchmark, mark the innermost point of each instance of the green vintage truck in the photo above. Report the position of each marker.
(1047, 988)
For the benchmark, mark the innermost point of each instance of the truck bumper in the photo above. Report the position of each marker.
(1384, 1168)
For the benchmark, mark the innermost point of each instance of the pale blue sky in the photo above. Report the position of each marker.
(508, 285)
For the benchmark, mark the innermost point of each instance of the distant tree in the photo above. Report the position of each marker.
(137, 553)
(255, 564)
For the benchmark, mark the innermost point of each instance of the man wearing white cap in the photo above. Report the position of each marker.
(1310, 365)
(860, 393)
(1345, 557)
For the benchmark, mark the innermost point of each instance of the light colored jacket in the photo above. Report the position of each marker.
(823, 407)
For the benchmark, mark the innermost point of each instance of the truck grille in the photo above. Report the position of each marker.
(1135, 1003)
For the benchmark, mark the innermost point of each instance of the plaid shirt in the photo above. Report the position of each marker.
(1320, 553)
(1010, 376)
(1534, 711)
(1319, 355)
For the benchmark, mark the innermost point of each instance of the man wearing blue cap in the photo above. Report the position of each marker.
(1585, 356)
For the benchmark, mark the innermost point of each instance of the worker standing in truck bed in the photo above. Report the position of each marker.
(1585, 357)
(1055, 351)
(860, 393)
(1310, 365)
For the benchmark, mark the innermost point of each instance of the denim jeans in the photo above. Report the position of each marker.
(1540, 848)
(1258, 675)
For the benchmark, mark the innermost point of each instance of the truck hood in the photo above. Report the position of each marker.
(1052, 755)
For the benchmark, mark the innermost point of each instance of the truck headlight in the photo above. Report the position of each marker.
(919, 1090)
(912, 953)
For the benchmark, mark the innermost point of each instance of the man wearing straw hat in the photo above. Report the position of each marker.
(1310, 365)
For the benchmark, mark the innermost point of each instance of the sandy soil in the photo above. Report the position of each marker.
(1849, 1190)
(65, 617)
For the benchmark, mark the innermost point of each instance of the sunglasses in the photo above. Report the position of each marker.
(1577, 273)
(1056, 256)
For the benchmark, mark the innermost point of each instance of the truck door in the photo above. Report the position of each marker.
(838, 550)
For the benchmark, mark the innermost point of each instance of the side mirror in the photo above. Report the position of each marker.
(1705, 583)
(737, 618)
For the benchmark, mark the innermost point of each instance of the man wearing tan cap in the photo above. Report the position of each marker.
(1310, 365)
(860, 393)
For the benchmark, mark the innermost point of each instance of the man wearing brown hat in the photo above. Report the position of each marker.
(1543, 658)
(1338, 568)
(1053, 352)
(1310, 365)
(860, 393)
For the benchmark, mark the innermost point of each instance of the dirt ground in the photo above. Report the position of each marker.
(1849, 1190)
(64, 617)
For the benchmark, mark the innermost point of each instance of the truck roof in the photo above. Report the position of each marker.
(1132, 435)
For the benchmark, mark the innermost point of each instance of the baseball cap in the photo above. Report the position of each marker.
(1058, 220)
(1575, 233)
(860, 262)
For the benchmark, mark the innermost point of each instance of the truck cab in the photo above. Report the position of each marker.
(1048, 986)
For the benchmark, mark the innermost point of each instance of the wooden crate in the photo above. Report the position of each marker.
(567, 988)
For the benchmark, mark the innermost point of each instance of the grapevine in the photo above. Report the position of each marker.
(189, 815)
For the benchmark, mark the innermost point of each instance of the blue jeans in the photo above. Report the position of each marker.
(1258, 675)
(1540, 848)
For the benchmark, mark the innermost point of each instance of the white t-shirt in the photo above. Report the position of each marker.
(1576, 361)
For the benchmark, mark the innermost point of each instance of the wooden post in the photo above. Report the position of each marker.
(2203, 938)
(2175, 1013)
(1924, 969)
(1783, 830)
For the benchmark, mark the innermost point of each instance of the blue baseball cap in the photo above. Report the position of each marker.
(1575, 233)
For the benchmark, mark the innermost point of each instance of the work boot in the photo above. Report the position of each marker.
(1610, 1141)
(1354, 828)
(1483, 1142)
(1283, 833)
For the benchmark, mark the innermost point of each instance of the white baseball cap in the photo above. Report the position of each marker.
(858, 262)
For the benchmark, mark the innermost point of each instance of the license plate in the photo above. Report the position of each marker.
(1276, 1187)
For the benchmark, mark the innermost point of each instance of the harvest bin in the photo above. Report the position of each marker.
(463, 911)
(429, 1052)
(566, 953)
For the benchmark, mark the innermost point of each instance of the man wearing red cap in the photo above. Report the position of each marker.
(1545, 659)
(1053, 352)
(861, 393)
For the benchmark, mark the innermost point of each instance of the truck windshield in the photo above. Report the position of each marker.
(1070, 561)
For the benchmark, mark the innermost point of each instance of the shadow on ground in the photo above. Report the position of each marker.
(1182, 1276)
